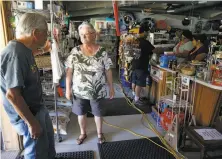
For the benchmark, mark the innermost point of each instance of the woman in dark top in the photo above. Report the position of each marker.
(200, 50)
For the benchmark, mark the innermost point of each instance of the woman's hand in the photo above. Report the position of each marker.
(47, 47)
(111, 93)
(68, 94)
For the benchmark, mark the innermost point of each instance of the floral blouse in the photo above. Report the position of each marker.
(89, 78)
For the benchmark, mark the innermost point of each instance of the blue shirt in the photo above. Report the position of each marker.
(18, 69)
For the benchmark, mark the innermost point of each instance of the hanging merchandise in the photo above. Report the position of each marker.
(161, 25)
(127, 19)
(207, 26)
(215, 26)
(198, 27)
(57, 67)
(148, 24)
(186, 21)
(128, 50)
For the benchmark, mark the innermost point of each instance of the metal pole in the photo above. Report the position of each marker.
(115, 11)
(59, 139)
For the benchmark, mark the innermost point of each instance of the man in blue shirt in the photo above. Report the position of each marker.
(21, 89)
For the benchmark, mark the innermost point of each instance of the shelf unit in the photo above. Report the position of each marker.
(157, 38)
(107, 39)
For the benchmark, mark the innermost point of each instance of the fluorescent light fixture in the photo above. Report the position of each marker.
(170, 11)
(201, 2)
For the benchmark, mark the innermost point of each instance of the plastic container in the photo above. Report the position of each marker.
(164, 60)
(63, 82)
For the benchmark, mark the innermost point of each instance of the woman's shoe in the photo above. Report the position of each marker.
(81, 139)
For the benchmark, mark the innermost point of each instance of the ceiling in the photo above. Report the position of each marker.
(80, 10)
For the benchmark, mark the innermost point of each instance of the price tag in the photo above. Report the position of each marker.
(186, 81)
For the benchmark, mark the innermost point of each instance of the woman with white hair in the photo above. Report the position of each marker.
(21, 90)
(88, 68)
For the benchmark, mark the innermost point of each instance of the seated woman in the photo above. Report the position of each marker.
(183, 48)
(200, 50)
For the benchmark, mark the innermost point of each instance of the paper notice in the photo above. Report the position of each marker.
(209, 134)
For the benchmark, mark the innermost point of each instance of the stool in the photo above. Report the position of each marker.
(204, 145)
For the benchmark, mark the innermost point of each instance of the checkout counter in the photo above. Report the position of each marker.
(207, 98)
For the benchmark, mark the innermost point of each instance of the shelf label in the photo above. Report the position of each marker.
(186, 81)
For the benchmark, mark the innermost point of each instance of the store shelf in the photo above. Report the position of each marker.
(204, 83)
(31, 11)
(164, 45)
(161, 39)
(169, 100)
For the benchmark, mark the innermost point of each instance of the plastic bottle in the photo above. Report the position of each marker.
(174, 66)
(170, 65)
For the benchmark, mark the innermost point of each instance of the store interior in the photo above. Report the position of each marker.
(181, 112)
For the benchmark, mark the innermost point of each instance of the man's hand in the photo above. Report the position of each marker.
(111, 93)
(35, 129)
(15, 97)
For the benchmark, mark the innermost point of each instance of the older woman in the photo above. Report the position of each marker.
(88, 69)
(183, 48)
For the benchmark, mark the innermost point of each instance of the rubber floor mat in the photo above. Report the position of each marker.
(133, 149)
(72, 155)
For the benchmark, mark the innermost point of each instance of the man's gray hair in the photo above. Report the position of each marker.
(28, 22)
(88, 25)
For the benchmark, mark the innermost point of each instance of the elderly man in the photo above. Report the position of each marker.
(21, 89)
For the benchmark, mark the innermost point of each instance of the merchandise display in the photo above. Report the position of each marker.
(128, 50)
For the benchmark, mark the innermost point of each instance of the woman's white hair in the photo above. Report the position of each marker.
(28, 22)
(86, 24)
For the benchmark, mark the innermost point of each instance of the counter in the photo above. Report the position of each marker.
(204, 83)
(207, 98)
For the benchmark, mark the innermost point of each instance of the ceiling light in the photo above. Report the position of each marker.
(170, 11)
(201, 2)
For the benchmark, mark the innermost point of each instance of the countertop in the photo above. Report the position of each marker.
(202, 82)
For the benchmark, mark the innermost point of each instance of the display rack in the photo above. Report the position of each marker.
(160, 39)
(107, 37)
(175, 110)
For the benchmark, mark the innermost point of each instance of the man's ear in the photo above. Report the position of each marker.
(34, 34)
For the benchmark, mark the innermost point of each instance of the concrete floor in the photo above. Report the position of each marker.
(131, 122)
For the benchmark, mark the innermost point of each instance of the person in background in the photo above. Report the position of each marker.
(140, 68)
(183, 48)
(21, 90)
(219, 37)
(88, 67)
(200, 50)
(178, 36)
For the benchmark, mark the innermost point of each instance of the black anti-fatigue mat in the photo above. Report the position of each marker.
(119, 106)
(133, 149)
(72, 155)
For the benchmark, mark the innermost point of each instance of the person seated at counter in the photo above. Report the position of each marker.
(183, 48)
(200, 49)
(219, 42)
